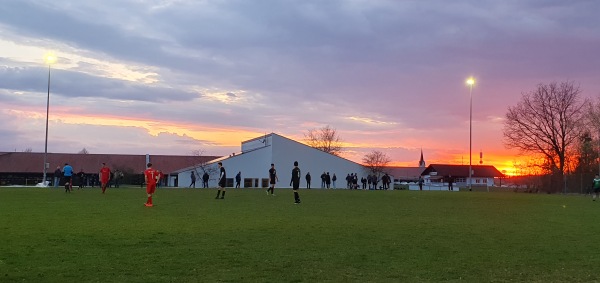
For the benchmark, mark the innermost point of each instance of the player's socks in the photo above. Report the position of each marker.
(223, 196)
(218, 193)
(149, 201)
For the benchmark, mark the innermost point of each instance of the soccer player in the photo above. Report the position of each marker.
(295, 182)
(272, 180)
(104, 176)
(596, 186)
(150, 177)
(68, 174)
(222, 181)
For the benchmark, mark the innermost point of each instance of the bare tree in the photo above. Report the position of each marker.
(202, 163)
(28, 150)
(84, 151)
(593, 124)
(325, 139)
(376, 161)
(547, 121)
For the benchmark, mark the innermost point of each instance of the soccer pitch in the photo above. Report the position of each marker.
(48, 235)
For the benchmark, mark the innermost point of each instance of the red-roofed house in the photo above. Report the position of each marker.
(482, 175)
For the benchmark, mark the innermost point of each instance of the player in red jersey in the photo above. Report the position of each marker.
(104, 176)
(150, 177)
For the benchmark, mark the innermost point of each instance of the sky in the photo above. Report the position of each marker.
(176, 76)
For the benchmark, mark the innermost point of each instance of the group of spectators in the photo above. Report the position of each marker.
(205, 178)
(326, 180)
(370, 182)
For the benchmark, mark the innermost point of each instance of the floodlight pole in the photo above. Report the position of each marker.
(470, 133)
(46, 140)
(470, 82)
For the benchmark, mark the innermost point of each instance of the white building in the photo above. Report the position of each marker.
(256, 157)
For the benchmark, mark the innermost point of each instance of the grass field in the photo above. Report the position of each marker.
(333, 236)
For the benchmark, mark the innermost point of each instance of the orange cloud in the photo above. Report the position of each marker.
(221, 137)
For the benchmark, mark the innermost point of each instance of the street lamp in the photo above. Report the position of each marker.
(470, 82)
(50, 59)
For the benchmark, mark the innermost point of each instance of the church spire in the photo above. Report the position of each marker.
(422, 161)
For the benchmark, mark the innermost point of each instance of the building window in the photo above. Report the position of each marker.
(265, 182)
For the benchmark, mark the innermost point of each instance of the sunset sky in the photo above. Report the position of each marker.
(170, 77)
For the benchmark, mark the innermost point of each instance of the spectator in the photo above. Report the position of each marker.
(80, 176)
(205, 178)
(348, 178)
(374, 180)
(238, 179)
(334, 178)
(57, 176)
(192, 179)
(118, 177)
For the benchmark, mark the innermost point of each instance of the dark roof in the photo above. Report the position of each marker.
(487, 171)
(33, 162)
(404, 172)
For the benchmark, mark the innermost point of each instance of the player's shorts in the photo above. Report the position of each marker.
(222, 183)
(295, 186)
(272, 182)
(68, 179)
(597, 190)
(150, 188)
(104, 181)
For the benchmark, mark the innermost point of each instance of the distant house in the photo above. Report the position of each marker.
(26, 168)
(481, 175)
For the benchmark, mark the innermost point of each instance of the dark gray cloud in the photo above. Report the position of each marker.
(75, 84)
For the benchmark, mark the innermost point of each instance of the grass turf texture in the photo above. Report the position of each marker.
(336, 236)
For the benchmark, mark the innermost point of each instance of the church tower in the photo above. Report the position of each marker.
(422, 161)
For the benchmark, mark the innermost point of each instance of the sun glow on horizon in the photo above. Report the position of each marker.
(354, 150)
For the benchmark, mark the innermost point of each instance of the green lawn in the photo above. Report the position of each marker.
(47, 235)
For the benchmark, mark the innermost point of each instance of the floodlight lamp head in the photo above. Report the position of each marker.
(50, 58)
(471, 81)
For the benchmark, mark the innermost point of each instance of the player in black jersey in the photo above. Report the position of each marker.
(222, 181)
(272, 180)
(295, 182)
